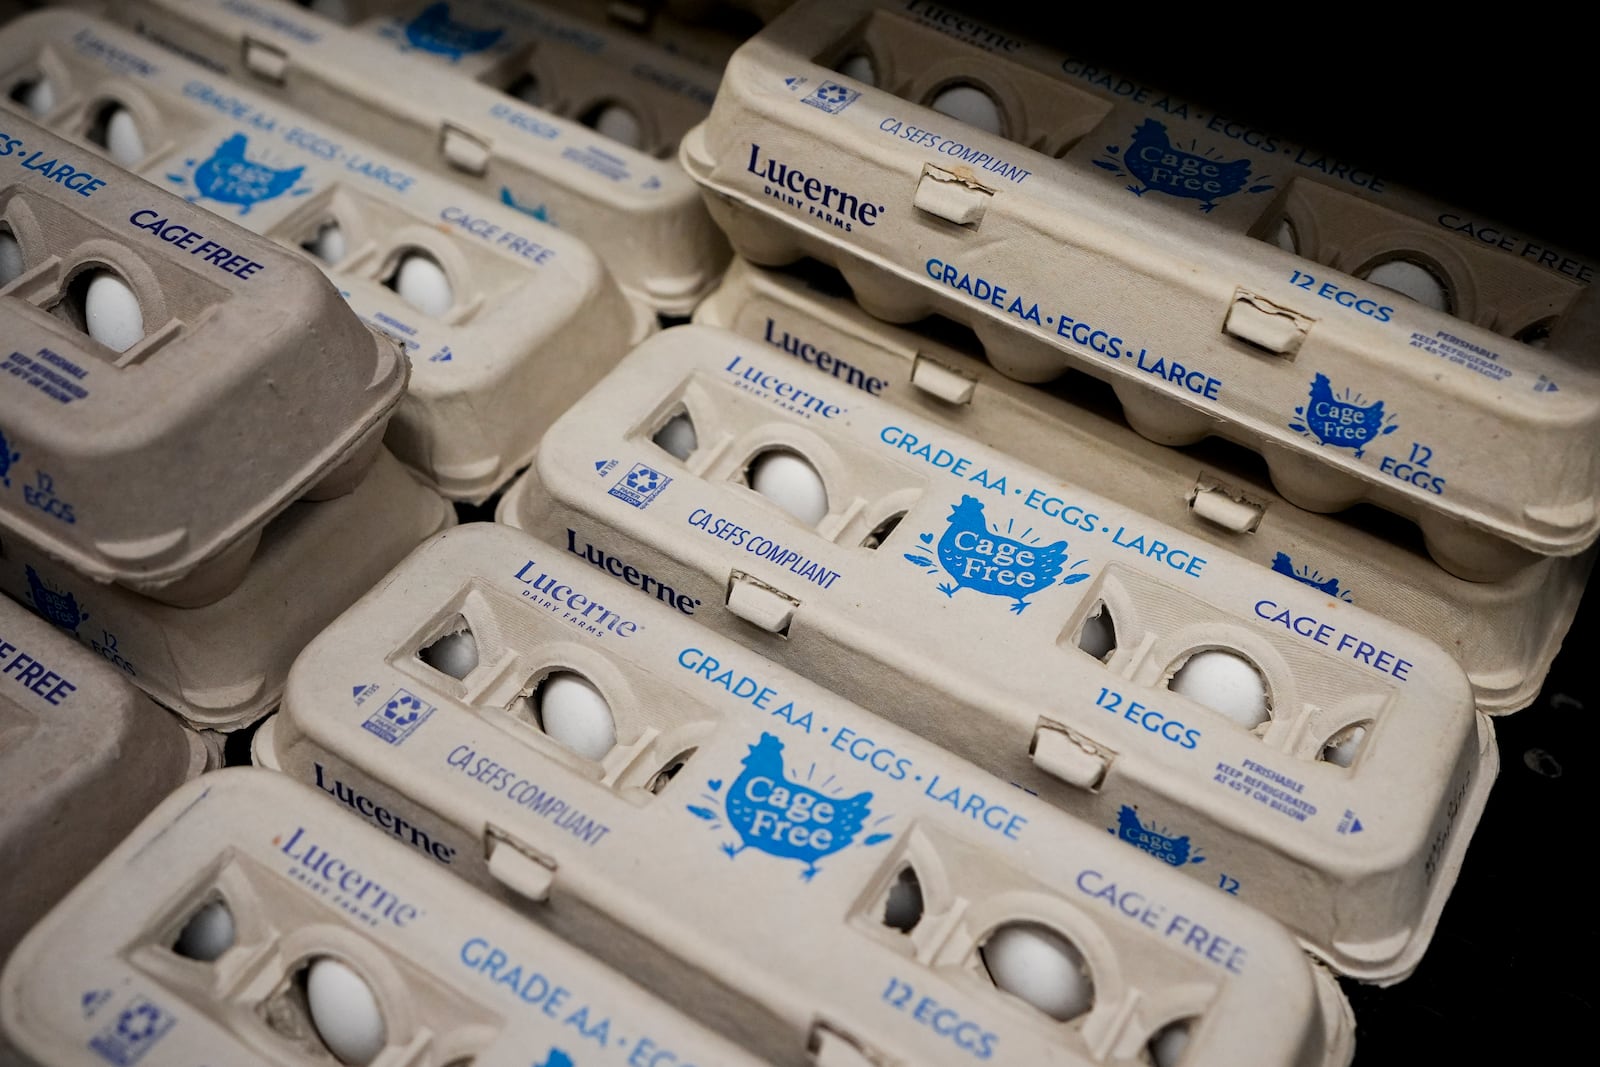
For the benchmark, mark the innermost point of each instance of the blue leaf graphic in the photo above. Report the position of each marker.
(1297, 428)
(1112, 167)
(1074, 579)
(1259, 188)
(921, 561)
(1390, 429)
(876, 839)
(702, 813)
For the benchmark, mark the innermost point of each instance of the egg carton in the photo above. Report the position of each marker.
(641, 214)
(1504, 633)
(568, 744)
(136, 369)
(1328, 764)
(85, 757)
(764, 10)
(449, 275)
(642, 90)
(223, 666)
(1223, 281)
(248, 920)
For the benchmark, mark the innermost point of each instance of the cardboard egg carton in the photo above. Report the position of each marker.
(657, 847)
(223, 666)
(453, 117)
(1504, 633)
(488, 374)
(213, 384)
(208, 936)
(765, 10)
(1041, 631)
(1224, 281)
(85, 757)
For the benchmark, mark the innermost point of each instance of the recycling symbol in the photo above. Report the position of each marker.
(643, 480)
(833, 94)
(139, 1022)
(392, 710)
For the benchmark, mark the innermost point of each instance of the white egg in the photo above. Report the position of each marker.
(111, 312)
(344, 1011)
(677, 437)
(859, 67)
(1410, 279)
(453, 654)
(1167, 1046)
(1342, 747)
(576, 716)
(39, 97)
(1284, 236)
(423, 284)
(1098, 636)
(207, 934)
(124, 143)
(328, 244)
(969, 104)
(619, 124)
(1040, 966)
(790, 482)
(1225, 682)
(10, 258)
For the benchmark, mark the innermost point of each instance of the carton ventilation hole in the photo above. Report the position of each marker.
(1166, 1046)
(336, 10)
(1034, 963)
(38, 95)
(969, 104)
(527, 89)
(571, 711)
(10, 258)
(670, 770)
(1536, 334)
(677, 436)
(116, 130)
(103, 306)
(791, 482)
(1411, 279)
(208, 933)
(422, 283)
(1342, 747)
(616, 122)
(1099, 634)
(455, 654)
(859, 66)
(902, 907)
(1225, 682)
(344, 1011)
(328, 243)
(880, 533)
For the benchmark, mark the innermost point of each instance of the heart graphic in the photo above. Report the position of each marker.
(926, 538)
(714, 783)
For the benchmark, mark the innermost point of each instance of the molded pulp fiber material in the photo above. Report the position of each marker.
(1223, 281)
(640, 213)
(1504, 633)
(223, 666)
(661, 853)
(102, 448)
(528, 318)
(1042, 632)
(249, 920)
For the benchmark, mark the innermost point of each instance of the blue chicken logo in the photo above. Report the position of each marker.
(229, 177)
(1159, 166)
(433, 30)
(7, 459)
(976, 557)
(55, 605)
(1344, 419)
(1307, 576)
(782, 816)
(1159, 842)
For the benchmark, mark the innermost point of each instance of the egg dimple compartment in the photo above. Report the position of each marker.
(1504, 633)
(126, 410)
(444, 273)
(1259, 332)
(640, 214)
(255, 987)
(711, 956)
